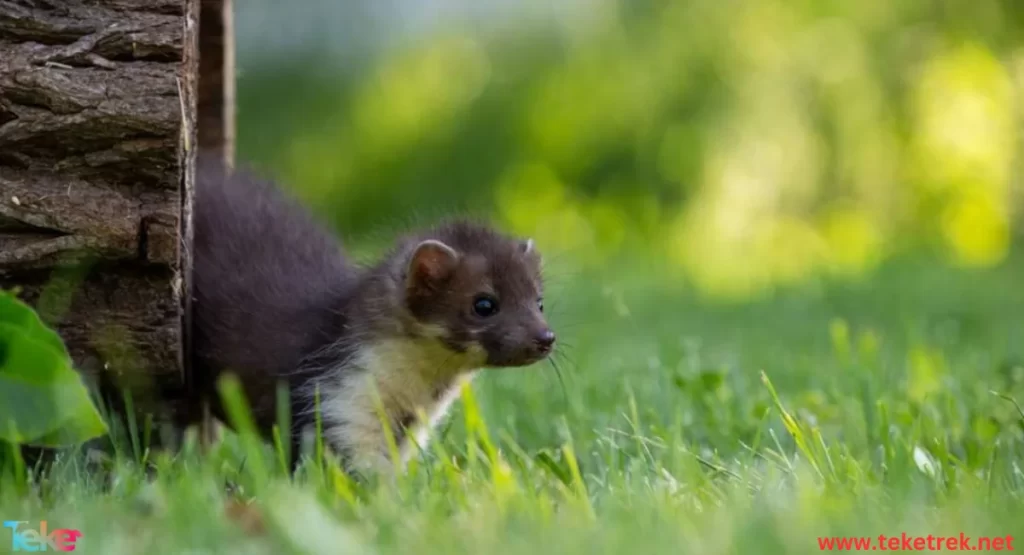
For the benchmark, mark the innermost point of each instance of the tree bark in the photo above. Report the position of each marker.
(98, 120)
(217, 79)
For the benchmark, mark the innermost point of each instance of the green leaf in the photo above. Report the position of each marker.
(43, 401)
(558, 467)
(21, 316)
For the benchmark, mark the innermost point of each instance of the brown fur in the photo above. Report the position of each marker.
(275, 300)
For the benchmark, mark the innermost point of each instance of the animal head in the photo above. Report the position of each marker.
(475, 289)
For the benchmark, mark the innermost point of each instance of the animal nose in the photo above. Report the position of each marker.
(545, 340)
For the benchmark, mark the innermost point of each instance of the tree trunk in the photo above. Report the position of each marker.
(217, 79)
(98, 132)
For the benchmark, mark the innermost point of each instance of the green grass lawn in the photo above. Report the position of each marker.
(659, 434)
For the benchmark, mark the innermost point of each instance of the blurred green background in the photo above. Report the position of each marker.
(745, 144)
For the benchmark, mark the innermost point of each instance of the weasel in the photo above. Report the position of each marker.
(276, 300)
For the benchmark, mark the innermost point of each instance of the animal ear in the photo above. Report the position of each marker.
(431, 261)
(526, 246)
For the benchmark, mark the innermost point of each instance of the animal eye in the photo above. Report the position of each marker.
(485, 306)
(540, 304)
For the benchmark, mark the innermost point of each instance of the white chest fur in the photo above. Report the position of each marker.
(406, 378)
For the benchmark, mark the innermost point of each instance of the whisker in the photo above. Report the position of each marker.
(568, 360)
(561, 380)
(566, 346)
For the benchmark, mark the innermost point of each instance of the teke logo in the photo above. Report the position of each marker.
(27, 539)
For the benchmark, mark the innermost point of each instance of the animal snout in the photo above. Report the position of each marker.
(545, 340)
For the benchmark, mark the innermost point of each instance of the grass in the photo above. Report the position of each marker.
(675, 425)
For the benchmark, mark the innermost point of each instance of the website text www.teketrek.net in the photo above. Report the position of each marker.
(904, 542)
